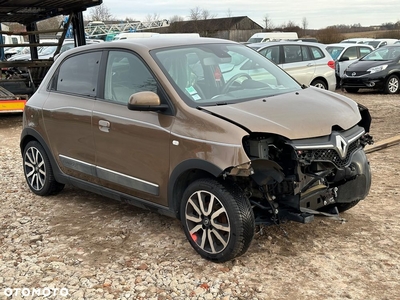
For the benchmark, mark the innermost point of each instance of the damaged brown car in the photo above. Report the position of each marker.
(204, 130)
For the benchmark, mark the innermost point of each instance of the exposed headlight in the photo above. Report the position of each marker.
(377, 69)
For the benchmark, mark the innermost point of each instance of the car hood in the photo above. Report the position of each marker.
(20, 57)
(363, 65)
(304, 114)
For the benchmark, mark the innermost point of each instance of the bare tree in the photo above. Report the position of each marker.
(151, 18)
(304, 23)
(268, 23)
(176, 18)
(229, 13)
(100, 13)
(195, 13)
(200, 14)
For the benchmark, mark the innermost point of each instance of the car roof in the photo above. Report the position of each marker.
(151, 43)
(347, 45)
(259, 46)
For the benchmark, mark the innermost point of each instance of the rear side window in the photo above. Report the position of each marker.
(78, 74)
(292, 53)
(317, 53)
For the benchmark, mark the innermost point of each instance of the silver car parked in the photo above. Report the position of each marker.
(307, 62)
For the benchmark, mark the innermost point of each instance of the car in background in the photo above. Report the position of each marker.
(48, 52)
(10, 51)
(344, 54)
(357, 40)
(152, 122)
(377, 43)
(307, 62)
(378, 70)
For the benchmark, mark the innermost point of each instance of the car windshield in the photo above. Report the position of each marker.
(214, 74)
(384, 53)
(254, 40)
(47, 50)
(373, 43)
(334, 51)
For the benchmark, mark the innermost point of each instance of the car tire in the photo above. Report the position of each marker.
(352, 90)
(392, 85)
(38, 172)
(346, 206)
(217, 219)
(319, 84)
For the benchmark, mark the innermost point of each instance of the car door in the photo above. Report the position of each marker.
(67, 114)
(132, 147)
(348, 56)
(298, 62)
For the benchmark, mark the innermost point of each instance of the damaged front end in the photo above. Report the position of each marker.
(295, 179)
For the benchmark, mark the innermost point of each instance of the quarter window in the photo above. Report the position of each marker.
(78, 74)
(317, 53)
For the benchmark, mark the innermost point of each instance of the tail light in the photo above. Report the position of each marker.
(331, 64)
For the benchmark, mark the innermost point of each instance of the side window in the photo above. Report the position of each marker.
(292, 53)
(351, 53)
(272, 53)
(78, 74)
(364, 51)
(126, 74)
(317, 53)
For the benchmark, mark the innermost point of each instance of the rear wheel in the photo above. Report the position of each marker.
(319, 84)
(38, 172)
(217, 219)
(392, 85)
(351, 90)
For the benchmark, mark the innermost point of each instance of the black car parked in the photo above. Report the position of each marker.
(378, 70)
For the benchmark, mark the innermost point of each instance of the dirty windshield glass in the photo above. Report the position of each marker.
(385, 53)
(210, 74)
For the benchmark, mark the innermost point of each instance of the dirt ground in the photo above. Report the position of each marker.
(358, 258)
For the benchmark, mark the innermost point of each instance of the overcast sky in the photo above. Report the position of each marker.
(319, 13)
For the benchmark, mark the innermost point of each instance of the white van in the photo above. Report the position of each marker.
(13, 39)
(272, 36)
(133, 35)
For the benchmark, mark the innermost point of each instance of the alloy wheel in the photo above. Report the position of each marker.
(208, 222)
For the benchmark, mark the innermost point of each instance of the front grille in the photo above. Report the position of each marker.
(355, 74)
(329, 155)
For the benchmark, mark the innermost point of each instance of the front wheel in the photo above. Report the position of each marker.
(38, 172)
(392, 85)
(217, 219)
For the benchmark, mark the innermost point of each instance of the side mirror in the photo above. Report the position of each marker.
(146, 101)
(344, 58)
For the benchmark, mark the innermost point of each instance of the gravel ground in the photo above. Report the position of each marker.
(78, 245)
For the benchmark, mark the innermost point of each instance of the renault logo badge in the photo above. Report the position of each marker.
(341, 146)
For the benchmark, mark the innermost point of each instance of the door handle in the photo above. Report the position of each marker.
(104, 126)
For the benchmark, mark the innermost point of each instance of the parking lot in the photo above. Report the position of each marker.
(98, 248)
